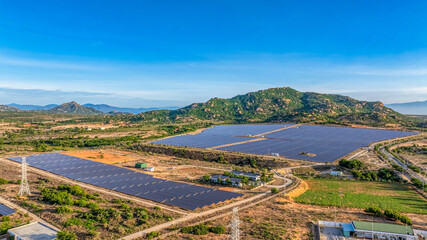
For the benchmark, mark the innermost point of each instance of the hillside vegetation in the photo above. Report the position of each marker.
(74, 108)
(284, 105)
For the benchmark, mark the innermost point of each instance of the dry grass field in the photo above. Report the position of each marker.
(102, 156)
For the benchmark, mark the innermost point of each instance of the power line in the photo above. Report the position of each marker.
(24, 188)
(234, 225)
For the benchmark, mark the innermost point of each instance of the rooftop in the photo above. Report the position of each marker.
(34, 231)
(383, 227)
(245, 173)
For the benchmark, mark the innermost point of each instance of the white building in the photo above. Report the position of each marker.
(33, 231)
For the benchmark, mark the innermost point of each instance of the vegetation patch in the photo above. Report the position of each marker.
(359, 194)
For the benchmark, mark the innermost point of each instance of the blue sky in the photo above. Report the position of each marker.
(173, 53)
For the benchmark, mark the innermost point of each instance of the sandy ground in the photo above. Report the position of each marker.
(372, 161)
(102, 156)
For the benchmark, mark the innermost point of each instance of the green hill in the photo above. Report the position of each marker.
(284, 105)
(74, 108)
(5, 108)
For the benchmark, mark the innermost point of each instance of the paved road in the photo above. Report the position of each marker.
(409, 173)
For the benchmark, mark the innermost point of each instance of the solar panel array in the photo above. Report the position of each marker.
(327, 143)
(220, 135)
(130, 182)
(5, 210)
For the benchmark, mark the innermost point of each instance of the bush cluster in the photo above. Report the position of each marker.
(353, 164)
(202, 229)
(382, 174)
(390, 214)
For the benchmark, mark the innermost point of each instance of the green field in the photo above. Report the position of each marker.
(360, 194)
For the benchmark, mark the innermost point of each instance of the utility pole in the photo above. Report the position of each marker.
(24, 187)
(235, 222)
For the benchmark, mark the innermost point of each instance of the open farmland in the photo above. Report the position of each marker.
(303, 142)
(130, 182)
(362, 194)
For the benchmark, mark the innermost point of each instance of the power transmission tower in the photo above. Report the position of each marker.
(234, 225)
(25, 187)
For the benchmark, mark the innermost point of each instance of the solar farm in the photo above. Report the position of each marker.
(130, 182)
(302, 142)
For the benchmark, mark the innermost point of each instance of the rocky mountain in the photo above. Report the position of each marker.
(74, 108)
(284, 105)
(417, 108)
(5, 108)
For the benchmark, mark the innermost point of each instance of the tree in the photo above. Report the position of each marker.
(274, 191)
(206, 178)
(219, 180)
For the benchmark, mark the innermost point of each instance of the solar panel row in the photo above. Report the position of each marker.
(327, 143)
(127, 181)
(220, 135)
(6, 211)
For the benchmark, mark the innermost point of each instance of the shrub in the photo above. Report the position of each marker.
(152, 235)
(274, 190)
(417, 183)
(56, 197)
(374, 210)
(63, 210)
(124, 206)
(157, 208)
(398, 168)
(353, 164)
(92, 205)
(73, 222)
(217, 230)
(414, 168)
(75, 190)
(200, 229)
(66, 235)
(206, 178)
(3, 181)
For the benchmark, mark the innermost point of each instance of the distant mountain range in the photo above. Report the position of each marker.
(416, 108)
(100, 107)
(270, 105)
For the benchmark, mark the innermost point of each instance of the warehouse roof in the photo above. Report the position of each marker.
(34, 231)
(383, 227)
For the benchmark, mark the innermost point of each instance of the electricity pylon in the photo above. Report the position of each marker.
(24, 187)
(234, 225)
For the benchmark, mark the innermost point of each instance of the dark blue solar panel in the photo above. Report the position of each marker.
(220, 135)
(6, 211)
(328, 143)
(128, 181)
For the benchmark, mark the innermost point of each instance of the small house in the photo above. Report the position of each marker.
(141, 165)
(237, 182)
(252, 176)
